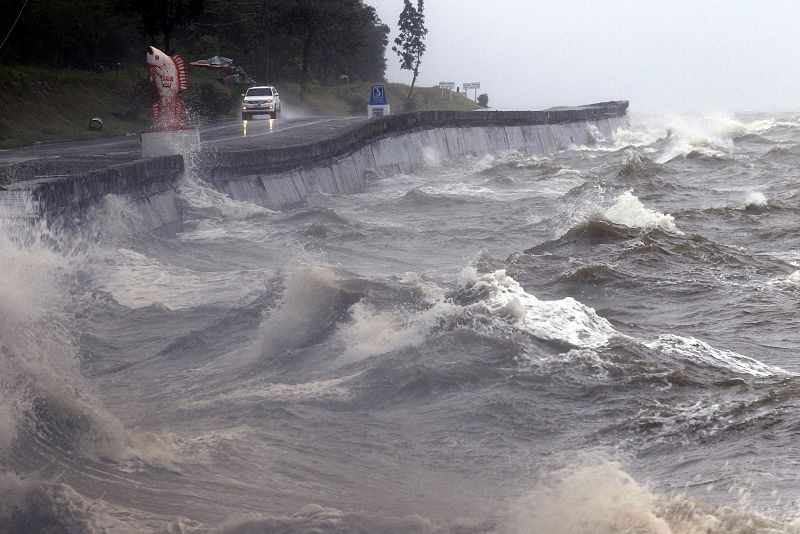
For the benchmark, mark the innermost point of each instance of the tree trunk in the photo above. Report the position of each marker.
(266, 30)
(413, 82)
(304, 77)
(411, 89)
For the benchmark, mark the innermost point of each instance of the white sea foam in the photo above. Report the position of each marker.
(594, 134)
(118, 217)
(431, 157)
(308, 306)
(332, 388)
(486, 162)
(638, 134)
(55, 506)
(602, 498)
(572, 322)
(709, 135)
(432, 293)
(39, 373)
(565, 320)
(325, 389)
(199, 196)
(568, 172)
(371, 332)
(697, 351)
(35, 348)
(790, 282)
(629, 211)
(755, 199)
(136, 280)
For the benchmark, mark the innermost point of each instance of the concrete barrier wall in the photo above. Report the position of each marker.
(283, 177)
(277, 160)
(149, 184)
(244, 179)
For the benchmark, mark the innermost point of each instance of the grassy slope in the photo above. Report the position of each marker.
(41, 104)
(352, 99)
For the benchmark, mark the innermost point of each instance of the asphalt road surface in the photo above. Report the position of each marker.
(76, 155)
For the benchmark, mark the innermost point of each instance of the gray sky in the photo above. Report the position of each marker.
(662, 55)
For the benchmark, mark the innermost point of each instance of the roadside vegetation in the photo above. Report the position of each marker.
(274, 41)
(43, 104)
(322, 55)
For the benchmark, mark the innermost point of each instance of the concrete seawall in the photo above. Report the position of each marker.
(151, 185)
(280, 172)
(236, 158)
(281, 177)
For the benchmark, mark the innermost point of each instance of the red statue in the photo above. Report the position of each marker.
(169, 76)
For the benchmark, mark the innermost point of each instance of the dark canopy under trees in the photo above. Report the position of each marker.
(274, 40)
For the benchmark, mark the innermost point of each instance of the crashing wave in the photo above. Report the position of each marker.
(41, 387)
(565, 320)
(629, 211)
(602, 498)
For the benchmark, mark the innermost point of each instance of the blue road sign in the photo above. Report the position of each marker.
(378, 96)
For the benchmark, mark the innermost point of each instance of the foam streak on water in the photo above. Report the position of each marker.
(475, 345)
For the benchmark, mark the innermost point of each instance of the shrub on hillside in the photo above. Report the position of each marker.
(409, 106)
(208, 99)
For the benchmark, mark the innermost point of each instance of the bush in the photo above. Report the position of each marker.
(208, 99)
(483, 100)
(410, 105)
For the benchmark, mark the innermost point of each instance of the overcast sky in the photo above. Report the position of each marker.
(662, 55)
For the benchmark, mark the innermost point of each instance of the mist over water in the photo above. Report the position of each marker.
(603, 340)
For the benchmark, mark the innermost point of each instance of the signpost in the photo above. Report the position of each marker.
(473, 85)
(447, 86)
(378, 101)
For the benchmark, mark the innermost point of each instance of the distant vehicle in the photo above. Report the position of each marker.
(260, 100)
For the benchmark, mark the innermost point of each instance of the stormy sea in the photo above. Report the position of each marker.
(599, 341)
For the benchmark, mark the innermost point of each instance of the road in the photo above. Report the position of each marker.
(72, 156)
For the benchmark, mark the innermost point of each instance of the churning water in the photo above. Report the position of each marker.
(600, 341)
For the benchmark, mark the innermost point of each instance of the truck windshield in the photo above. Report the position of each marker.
(259, 91)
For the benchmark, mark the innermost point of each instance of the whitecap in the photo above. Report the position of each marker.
(629, 211)
(790, 282)
(696, 351)
(565, 320)
(755, 199)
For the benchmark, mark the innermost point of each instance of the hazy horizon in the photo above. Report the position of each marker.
(676, 56)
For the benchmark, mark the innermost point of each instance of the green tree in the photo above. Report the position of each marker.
(411, 40)
(354, 44)
(483, 100)
(334, 37)
(66, 33)
(310, 19)
(276, 41)
(163, 17)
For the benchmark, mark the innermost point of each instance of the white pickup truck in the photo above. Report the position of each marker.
(260, 100)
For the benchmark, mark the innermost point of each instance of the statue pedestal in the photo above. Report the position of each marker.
(377, 111)
(170, 142)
